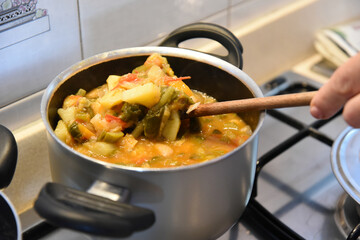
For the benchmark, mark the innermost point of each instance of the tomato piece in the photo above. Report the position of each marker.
(168, 79)
(130, 77)
(115, 122)
(111, 118)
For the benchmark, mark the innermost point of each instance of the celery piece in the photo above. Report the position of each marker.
(74, 130)
(138, 130)
(166, 96)
(110, 137)
(172, 126)
(152, 122)
(164, 119)
(83, 116)
(81, 92)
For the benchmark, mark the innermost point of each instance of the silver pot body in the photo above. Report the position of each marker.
(9, 221)
(200, 201)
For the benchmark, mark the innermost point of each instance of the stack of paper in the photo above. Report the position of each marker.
(337, 44)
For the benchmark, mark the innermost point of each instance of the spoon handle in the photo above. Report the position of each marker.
(236, 106)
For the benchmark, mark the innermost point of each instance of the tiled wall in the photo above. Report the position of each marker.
(34, 52)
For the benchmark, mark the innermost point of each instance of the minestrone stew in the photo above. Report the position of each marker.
(136, 120)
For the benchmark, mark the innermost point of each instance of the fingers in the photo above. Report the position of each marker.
(351, 112)
(342, 86)
(326, 102)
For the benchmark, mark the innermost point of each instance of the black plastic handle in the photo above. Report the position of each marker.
(210, 31)
(70, 208)
(355, 233)
(8, 156)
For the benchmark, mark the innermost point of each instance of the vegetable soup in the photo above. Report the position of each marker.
(136, 120)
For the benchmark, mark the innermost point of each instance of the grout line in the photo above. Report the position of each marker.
(80, 31)
(228, 14)
(272, 17)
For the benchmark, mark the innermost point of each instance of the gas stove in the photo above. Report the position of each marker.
(295, 195)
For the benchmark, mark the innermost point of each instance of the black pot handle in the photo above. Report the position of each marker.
(8, 156)
(355, 233)
(211, 31)
(70, 208)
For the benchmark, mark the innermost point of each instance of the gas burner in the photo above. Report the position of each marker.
(347, 214)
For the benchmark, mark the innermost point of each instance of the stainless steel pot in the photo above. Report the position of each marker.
(10, 227)
(345, 164)
(200, 201)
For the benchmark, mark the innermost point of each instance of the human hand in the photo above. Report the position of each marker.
(342, 89)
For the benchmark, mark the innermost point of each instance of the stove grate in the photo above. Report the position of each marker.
(260, 221)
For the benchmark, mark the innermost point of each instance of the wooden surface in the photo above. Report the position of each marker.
(236, 106)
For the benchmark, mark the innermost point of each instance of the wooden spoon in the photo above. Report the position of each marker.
(236, 106)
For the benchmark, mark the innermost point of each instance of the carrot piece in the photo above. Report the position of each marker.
(85, 132)
(181, 86)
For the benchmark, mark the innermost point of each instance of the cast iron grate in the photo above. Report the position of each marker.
(257, 218)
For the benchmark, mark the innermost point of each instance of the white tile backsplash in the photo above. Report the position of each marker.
(247, 10)
(121, 24)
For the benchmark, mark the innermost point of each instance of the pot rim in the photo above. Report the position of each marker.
(344, 158)
(145, 51)
(14, 213)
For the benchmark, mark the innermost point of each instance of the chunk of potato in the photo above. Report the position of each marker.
(71, 101)
(155, 74)
(62, 132)
(164, 149)
(112, 81)
(147, 95)
(112, 98)
(67, 115)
